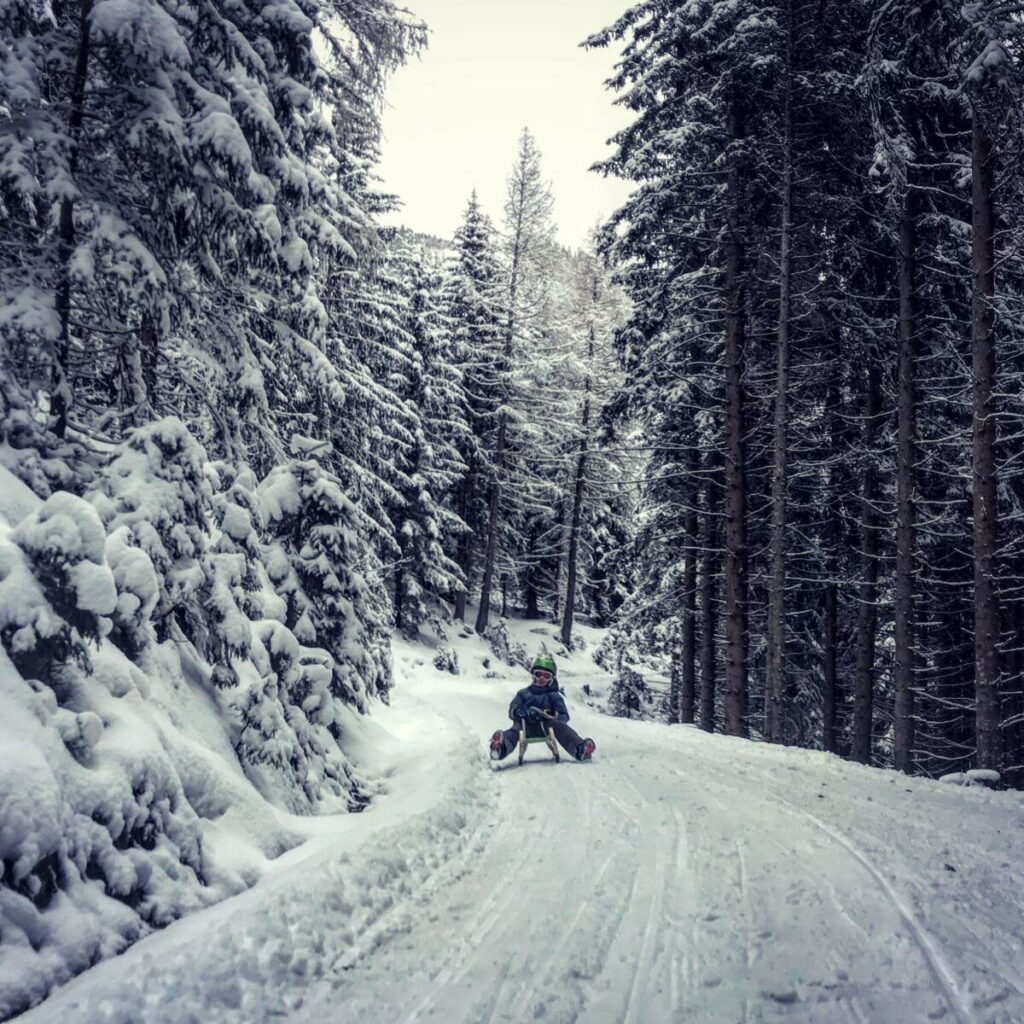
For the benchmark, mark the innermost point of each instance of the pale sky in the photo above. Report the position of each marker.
(493, 67)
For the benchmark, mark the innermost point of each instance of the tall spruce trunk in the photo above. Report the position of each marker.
(572, 558)
(579, 488)
(830, 617)
(137, 359)
(60, 399)
(688, 653)
(775, 676)
(398, 599)
(464, 550)
(1013, 692)
(735, 466)
(867, 618)
(906, 457)
(483, 613)
(986, 596)
(708, 567)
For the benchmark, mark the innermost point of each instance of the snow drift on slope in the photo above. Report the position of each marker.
(160, 721)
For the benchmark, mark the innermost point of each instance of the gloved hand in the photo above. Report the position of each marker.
(531, 714)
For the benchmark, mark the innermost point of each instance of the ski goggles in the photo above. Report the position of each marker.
(542, 675)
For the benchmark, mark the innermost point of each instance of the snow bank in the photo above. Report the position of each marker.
(327, 906)
(163, 728)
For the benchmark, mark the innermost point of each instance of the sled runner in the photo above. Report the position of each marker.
(537, 732)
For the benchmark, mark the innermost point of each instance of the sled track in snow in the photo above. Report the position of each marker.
(476, 930)
(926, 943)
(929, 947)
(461, 961)
(657, 899)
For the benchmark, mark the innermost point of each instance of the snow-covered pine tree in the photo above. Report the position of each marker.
(170, 176)
(427, 531)
(699, 246)
(594, 498)
(680, 240)
(472, 308)
(527, 251)
(56, 593)
(331, 580)
(932, 76)
(155, 487)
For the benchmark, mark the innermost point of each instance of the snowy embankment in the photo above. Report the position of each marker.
(167, 730)
(679, 876)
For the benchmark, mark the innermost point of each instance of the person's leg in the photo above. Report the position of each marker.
(501, 748)
(568, 737)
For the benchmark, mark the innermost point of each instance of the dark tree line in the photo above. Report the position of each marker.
(824, 355)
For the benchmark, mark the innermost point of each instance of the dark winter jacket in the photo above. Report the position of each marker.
(547, 698)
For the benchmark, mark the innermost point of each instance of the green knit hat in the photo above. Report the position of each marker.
(544, 661)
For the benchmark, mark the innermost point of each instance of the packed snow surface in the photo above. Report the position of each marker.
(677, 877)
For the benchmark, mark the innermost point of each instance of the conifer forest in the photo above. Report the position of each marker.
(757, 446)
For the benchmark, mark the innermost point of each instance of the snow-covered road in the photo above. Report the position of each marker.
(678, 877)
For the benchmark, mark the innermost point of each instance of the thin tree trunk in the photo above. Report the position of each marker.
(775, 680)
(577, 497)
(986, 596)
(688, 647)
(735, 468)
(149, 340)
(709, 542)
(1013, 692)
(830, 625)
(136, 371)
(906, 456)
(484, 611)
(580, 482)
(399, 588)
(560, 567)
(830, 640)
(530, 580)
(465, 546)
(688, 652)
(675, 685)
(867, 619)
(60, 399)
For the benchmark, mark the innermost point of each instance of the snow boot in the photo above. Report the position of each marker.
(584, 749)
(496, 743)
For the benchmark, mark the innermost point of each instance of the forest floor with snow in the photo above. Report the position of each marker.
(677, 877)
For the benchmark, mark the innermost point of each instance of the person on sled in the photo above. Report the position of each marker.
(535, 703)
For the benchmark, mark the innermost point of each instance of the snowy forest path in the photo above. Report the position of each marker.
(686, 877)
(677, 877)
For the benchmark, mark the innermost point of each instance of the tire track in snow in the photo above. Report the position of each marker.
(679, 960)
(478, 926)
(492, 1007)
(504, 898)
(925, 941)
(721, 796)
(649, 878)
(747, 923)
(993, 960)
(641, 974)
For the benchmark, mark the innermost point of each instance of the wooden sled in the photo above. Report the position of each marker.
(546, 735)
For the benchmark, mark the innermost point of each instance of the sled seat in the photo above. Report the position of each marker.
(546, 735)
